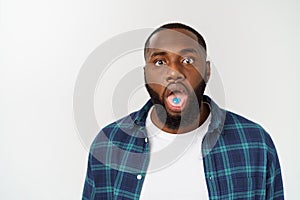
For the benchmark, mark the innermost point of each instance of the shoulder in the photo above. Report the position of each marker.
(127, 126)
(122, 136)
(116, 131)
(241, 129)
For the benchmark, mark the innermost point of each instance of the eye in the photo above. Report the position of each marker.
(188, 60)
(159, 63)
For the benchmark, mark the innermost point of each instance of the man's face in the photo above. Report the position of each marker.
(175, 74)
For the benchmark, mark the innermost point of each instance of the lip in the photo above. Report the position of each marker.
(175, 108)
(175, 88)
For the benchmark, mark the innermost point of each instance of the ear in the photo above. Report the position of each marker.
(207, 70)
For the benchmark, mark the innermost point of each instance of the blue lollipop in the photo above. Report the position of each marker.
(176, 100)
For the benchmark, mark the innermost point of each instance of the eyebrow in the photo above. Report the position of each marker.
(188, 50)
(183, 51)
(159, 53)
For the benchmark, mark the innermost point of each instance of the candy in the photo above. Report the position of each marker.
(176, 100)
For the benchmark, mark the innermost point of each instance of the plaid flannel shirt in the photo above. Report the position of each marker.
(240, 159)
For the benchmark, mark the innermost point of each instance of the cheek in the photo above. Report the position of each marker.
(154, 81)
(193, 83)
(197, 75)
(154, 77)
(199, 69)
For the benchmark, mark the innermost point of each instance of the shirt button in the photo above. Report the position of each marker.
(139, 177)
(146, 140)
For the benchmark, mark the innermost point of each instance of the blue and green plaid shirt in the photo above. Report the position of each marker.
(240, 159)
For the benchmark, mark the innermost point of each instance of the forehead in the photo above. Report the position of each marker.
(174, 40)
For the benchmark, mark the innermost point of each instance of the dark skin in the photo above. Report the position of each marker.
(175, 58)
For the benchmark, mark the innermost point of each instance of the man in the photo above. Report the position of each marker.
(181, 145)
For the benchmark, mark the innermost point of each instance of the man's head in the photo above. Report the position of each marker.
(176, 73)
(171, 26)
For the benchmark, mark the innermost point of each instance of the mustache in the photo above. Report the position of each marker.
(154, 95)
(179, 86)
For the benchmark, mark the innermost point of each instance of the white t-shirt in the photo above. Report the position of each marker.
(175, 169)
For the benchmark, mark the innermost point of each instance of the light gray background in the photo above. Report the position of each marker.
(253, 44)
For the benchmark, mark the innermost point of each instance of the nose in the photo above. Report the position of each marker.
(174, 73)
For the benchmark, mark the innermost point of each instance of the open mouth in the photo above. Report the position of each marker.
(176, 97)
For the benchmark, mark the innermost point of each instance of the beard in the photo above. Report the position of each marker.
(186, 117)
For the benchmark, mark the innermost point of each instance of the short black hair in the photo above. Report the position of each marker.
(200, 40)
